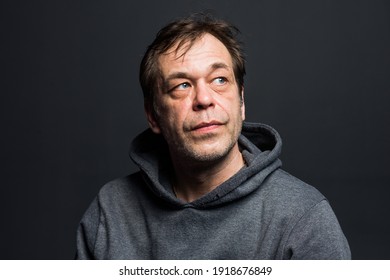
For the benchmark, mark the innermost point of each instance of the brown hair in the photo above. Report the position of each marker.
(188, 30)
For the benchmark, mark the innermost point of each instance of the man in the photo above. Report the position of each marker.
(209, 185)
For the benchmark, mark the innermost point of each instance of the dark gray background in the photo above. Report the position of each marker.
(318, 71)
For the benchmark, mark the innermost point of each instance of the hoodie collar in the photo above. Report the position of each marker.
(260, 145)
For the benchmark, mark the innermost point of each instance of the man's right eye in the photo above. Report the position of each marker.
(179, 88)
(182, 86)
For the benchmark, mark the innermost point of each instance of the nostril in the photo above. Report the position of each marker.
(199, 106)
(202, 106)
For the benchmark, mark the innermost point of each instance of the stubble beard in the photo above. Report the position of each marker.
(191, 152)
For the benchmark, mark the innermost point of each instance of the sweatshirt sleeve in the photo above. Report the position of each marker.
(317, 235)
(87, 232)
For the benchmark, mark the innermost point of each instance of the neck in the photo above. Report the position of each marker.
(193, 180)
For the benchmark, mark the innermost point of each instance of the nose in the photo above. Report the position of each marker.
(203, 98)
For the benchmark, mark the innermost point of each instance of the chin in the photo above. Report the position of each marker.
(211, 153)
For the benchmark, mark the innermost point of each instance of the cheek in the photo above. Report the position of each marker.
(171, 115)
(233, 107)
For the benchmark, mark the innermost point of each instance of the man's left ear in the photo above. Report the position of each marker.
(242, 104)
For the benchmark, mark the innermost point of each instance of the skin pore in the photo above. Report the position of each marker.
(199, 111)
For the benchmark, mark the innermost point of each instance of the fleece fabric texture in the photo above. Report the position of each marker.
(262, 212)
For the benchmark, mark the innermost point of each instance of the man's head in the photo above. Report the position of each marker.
(192, 77)
(185, 32)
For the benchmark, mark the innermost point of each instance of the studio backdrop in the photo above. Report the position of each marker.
(317, 71)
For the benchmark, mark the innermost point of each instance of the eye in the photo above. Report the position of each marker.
(220, 81)
(183, 86)
(179, 87)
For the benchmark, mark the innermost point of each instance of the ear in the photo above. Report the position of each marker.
(151, 116)
(242, 104)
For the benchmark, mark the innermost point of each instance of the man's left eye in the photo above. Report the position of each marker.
(219, 80)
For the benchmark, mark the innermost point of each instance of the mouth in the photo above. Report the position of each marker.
(206, 126)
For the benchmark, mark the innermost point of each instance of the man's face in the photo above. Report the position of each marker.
(198, 106)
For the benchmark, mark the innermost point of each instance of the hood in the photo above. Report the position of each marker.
(260, 145)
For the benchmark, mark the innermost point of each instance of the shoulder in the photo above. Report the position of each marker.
(291, 193)
(121, 185)
(114, 200)
(113, 192)
(311, 229)
(286, 199)
(122, 190)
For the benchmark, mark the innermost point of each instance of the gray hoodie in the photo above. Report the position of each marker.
(262, 212)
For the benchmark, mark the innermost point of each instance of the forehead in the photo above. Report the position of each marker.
(204, 51)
